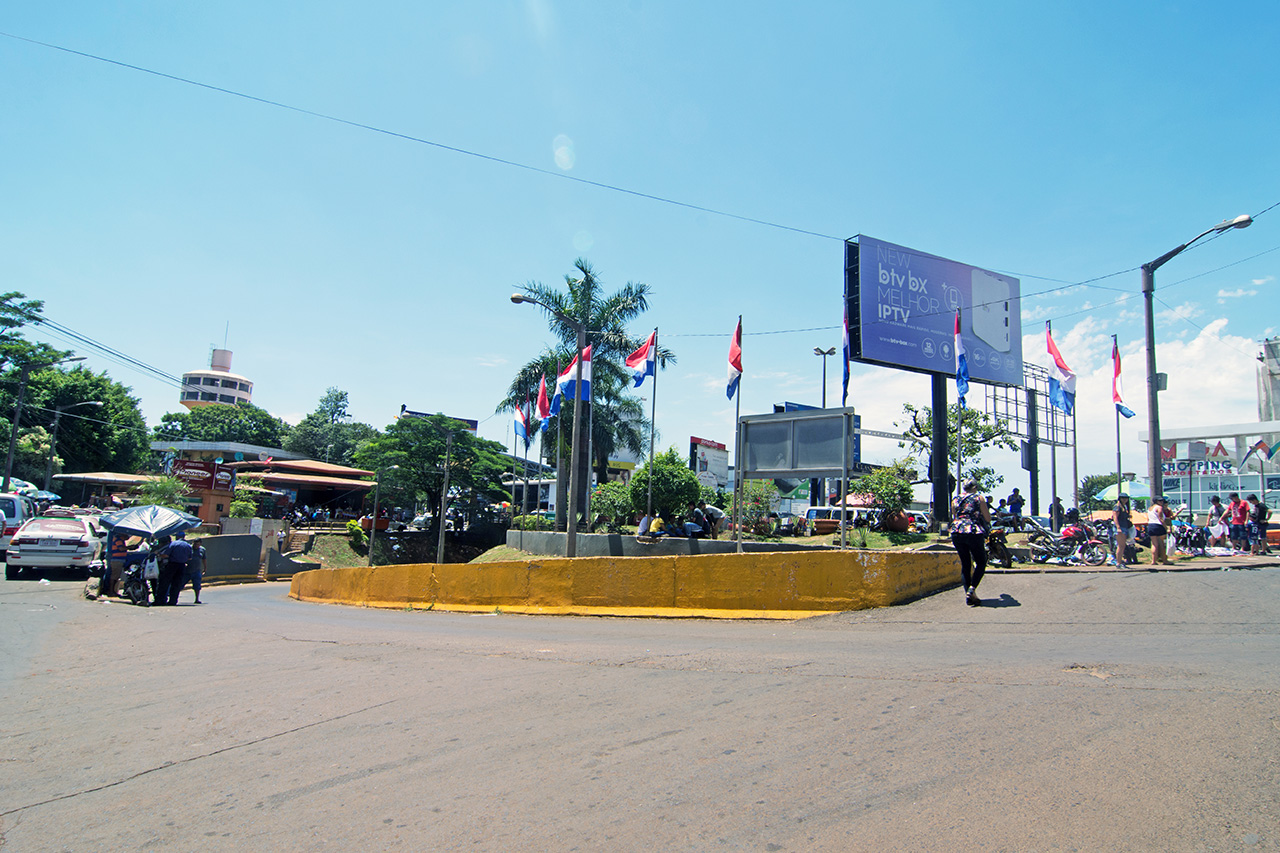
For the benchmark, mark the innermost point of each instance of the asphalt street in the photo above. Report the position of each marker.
(1121, 711)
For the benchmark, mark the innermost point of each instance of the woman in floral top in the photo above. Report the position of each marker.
(970, 522)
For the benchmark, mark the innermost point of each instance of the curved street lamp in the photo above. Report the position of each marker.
(571, 527)
(1155, 462)
(824, 353)
(53, 440)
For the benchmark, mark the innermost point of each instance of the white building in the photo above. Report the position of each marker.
(217, 385)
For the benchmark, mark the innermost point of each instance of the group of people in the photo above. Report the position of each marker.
(178, 562)
(700, 521)
(1241, 524)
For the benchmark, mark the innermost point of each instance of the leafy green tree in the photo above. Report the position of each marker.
(110, 437)
(326, 434)
(674, 485)
(163, 491)
(606, 316)
(417, 447)
(15, 350)
(613, 502)
(244, 423)
(31, 454)
(979, 434)
(1092, 485)
(890, 486)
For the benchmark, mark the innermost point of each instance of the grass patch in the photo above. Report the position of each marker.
(335, 552)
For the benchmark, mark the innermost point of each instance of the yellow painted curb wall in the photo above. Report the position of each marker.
(760, 585)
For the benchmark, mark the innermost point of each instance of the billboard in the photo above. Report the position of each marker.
(710, 462)
(204, 475)
(902, 306)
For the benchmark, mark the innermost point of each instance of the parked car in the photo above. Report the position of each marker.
(17, 509)
(51, 543)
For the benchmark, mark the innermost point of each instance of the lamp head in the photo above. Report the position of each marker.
(517, 298)
(1244, 220)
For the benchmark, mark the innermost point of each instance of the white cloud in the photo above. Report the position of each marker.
(1185, 311)
(490, 360)
(1224, 295)
(1264, 280)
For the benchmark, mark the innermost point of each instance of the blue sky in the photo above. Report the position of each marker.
(1055, 142)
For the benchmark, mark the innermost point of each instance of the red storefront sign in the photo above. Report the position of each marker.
(203, 475)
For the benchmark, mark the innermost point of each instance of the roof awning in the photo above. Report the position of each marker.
(106, 478)
(304, 466)
(295, 481)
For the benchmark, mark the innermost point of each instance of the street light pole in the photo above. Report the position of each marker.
(571, 526)
(17, 414)
(53, 440)
(1155, 461)
(373, 526)
(824, 353)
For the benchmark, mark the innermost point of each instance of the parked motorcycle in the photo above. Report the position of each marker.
(1078, 543)
(998, 548)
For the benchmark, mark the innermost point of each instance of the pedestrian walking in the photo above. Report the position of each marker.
(1259, 517)
(970, 524)
(1158, 530)
(195, 568)
(174, 571)
(1238, 520)
(1122, 521)
(1015, 503)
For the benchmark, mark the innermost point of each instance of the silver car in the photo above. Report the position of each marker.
(51, 543)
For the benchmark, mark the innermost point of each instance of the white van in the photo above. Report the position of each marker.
(18, 510)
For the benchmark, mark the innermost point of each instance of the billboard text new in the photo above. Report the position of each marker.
(902, 306)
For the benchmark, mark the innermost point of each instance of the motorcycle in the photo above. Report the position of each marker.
(998, 553)
(1078, 543)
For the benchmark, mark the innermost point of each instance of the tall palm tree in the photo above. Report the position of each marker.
(605, 315)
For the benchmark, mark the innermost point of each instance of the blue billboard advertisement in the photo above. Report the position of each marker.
(902, 307)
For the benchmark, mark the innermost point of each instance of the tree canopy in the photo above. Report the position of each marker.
(15, 350)
(980, 433)
(244, 423)
(416, 446)
(109, 437)
(326, 434)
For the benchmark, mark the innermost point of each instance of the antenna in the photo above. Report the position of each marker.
(225, 334)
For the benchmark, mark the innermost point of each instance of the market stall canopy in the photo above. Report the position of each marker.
(149, 520)
(107, 478)
(1133, 490)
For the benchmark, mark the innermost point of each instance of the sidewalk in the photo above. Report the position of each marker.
(1179, 563)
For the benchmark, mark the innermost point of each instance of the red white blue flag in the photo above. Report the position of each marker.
(566, 380)
(962, 365)
(1117, 392)
(544, 405)
(1062, 380)
(643, 362)
(735, 360)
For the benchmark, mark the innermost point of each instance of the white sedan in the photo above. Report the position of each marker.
(52, 543)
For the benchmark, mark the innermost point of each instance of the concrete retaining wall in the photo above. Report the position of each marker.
(785, 585)
(231, 558)
(617, 545)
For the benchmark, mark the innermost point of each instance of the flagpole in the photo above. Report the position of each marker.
(653, 414)
(959, 447)
(1075, 460)
(1115, 347)
(737, 453)
(1054, 521)
(591, 462)
(559, 495)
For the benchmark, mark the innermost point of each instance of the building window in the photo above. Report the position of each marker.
(191, 395)
(228, 383)
(226, 398)
(219, 508)
(209, 380)
(206, 396)
(244, 386)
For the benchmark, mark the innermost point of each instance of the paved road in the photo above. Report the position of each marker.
(1075, 712)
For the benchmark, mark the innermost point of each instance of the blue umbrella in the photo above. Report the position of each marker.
(149, 520)
(47, 496)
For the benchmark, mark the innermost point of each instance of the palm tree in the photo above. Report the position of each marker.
(618, 420)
